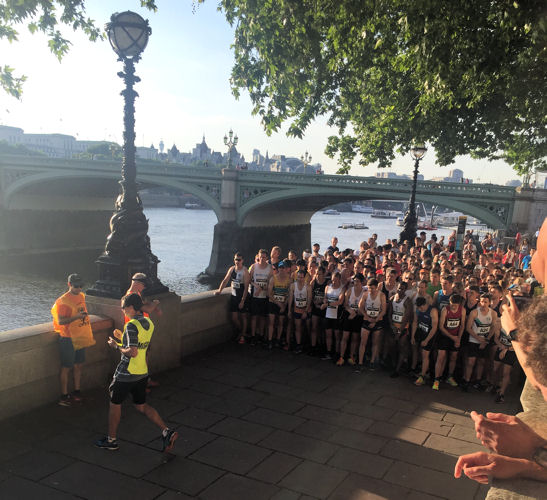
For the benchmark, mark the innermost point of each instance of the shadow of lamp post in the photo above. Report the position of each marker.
(127, 249)
(231, 142)
(410, 220)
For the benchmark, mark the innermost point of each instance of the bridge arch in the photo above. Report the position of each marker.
(310, 200)
(204, 194)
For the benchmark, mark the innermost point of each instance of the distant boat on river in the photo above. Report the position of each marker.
(331, 211)
(361, 209)
(384, 214)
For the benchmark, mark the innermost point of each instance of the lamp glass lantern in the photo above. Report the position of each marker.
(418, 151)
(128, 34)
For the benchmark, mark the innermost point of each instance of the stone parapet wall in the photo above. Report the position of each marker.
(29, 357)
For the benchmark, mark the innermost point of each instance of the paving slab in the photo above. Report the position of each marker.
(274, 419)
(430, 481)
(232, 487)
(232, 408)
(244, 395)
(321, 400)
(241, 430)
(419, 455)
(190, 440)
(174, 495)
(318, 430)
(396, 404)
(238, 380)
(210, 386)
(197, 418)
(231, 455)
(314, 479)
(18, 488)
(90, 481)
(358, 440)
(360, 462)
(284, 494)
(300, 446)
(184, 475)
(451, 446)
(463, 420)
(334, 417)
(465, 433)
(196, 399)
(281, 404)
(389, 430)
(277, 389)
(364, 409)
(422, 423)
(36, 464)
(274, 467)
(358, 487)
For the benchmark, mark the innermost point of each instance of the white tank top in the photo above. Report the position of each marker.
(332, 294)
(373, 306)
(300, 296)
(398, 310)
(237, 280)
(260, 281)
(481, 325)
(354, 299)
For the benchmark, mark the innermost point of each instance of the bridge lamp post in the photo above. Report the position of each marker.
(231, 142)
(411, 219)
(306, 160)
(127, 249)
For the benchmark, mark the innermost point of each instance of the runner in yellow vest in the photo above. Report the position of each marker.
(71, 322)
(131, 374)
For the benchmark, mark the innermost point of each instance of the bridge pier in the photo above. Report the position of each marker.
(230, 237)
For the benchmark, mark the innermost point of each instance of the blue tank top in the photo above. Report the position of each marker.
(424, 320)
(442, 300)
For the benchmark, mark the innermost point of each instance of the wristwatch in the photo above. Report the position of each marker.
(540, 456)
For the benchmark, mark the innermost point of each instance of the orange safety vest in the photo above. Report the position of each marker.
(80, 330)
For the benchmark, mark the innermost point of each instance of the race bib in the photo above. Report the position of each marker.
(453, 323)
(396, 317)
(484, 331)
(372, 313)
(301, 303)
(278, 297)
(424, 327)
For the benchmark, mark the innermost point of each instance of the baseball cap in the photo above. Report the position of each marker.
(280, 265)
(75, 279)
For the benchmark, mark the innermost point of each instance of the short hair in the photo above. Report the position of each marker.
(486, 296)
(532, 333)
(372, 282)
(448, 278)
(456, 299)
(132, 300)
(421, 301)
(263, 250)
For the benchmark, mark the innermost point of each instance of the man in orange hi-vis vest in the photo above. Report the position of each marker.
(71, 322)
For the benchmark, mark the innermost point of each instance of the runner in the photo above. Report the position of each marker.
(480, 328)
(318, 285)
(424, 330)
(131, 375)
(278, 293)
(259, 275)
(400, 317)
(352, 320)
(334, 298)
(451, 327)
(300, 302)
(372, 307)
(239, 279)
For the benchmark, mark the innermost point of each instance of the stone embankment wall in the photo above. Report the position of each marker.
(29, 357)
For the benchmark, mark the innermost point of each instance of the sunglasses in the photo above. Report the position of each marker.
(238, 260)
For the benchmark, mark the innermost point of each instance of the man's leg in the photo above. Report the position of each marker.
(114, 416)
(64, 380)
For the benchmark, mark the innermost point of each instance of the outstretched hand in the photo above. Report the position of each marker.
(482, 466)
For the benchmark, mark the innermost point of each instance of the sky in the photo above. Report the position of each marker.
(184, 92)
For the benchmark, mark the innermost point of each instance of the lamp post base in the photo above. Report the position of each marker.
(115, 276)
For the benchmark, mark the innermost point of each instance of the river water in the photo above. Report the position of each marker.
(182, 240)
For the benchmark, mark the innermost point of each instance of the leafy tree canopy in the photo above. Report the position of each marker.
(45, 16)
(466, 77)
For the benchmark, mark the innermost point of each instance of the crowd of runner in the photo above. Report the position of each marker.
(427, 310)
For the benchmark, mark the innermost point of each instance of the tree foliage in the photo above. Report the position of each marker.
(466, 77)
(45, 16)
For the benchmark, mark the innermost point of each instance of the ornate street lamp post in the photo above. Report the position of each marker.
(411, 219)
(127, 249)
(231, 142)
(306, 160)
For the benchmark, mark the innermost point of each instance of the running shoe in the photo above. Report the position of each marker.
(478, 386)
(340, 362)
(500, 398)
(169, 440)
(77, 396)
(372, 366)
(351, 362)
(419, 381)
(66, 400)
(450, 380)
(435, 385)
(286, 347)
(359, 369)
(326, 357)
(107, 444)
(299, 349)
(241, 340)
(270, 345)
(465, 386)
(252, 341)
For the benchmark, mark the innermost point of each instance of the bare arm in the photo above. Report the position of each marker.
(225, 281)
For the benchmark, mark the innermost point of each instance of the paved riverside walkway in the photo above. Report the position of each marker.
(253, 425)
